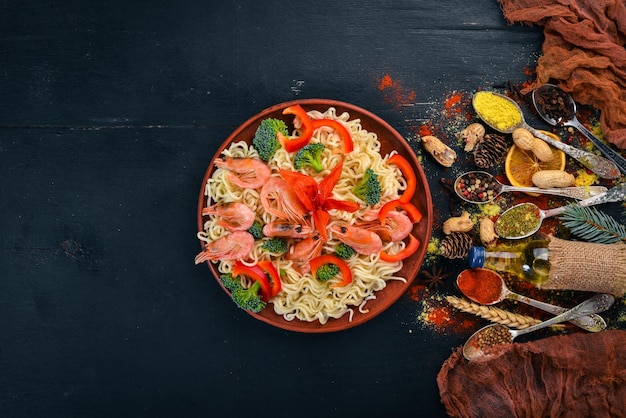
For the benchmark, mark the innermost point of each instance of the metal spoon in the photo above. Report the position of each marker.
(489, 182)
(604, 168)
(535, 216)
(591, 323)
(555, 91)
(497, 334)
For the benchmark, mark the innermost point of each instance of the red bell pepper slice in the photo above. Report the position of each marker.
(346, 273)
(257, 274)
(409, 175)
(340, 128)
(328, 183)
(320, 219)
(306, 187)
(275, 283)
(411, 247)
(293, 145)
(412, 212)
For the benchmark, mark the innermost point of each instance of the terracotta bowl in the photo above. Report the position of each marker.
(390, 140)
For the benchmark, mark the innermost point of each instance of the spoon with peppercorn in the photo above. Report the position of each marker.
(482, 187)
(558, 108)
(506, 109)
(523, 220)
(487, 287)
(479, 344)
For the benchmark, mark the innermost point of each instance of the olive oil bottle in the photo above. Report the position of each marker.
(529, 261)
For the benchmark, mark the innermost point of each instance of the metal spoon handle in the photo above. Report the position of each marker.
(604, 168)
(593, 305)
(582, 192)
(591, 323)
(609, 152)
(615, 194)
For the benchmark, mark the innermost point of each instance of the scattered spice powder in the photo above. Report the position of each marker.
(435, 313)
(395, 93)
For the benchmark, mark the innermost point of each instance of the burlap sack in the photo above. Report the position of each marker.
(587, 267)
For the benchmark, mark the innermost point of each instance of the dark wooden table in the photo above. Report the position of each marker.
(109, 115)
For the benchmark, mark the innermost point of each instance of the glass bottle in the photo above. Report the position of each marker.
(529, 261)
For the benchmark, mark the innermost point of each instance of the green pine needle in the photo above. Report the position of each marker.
(590, 224)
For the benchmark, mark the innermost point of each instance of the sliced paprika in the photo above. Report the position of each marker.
(275, 283)
(294, 144)
(409, 176)
(409, 250)
(257, 274)
(344, 269)
(340, 128)
(412, 212)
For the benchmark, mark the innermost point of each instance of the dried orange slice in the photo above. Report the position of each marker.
(520, 165)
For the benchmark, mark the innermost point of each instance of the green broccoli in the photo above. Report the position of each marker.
(327, 272)
(309, 155)
(231, 283)
(344, 251)
(265, 141)
(249, 299)
(369, 188)
(275, 245)
(256, 230)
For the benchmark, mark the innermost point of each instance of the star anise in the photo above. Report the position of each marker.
(435, 278)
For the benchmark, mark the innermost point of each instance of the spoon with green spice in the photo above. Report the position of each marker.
(478, 344)
(482, 187)
(504, 115)
(523, 220)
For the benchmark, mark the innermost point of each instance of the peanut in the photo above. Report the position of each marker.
(523, 139)
(526, 141)
(472, 135)
(487, 231)
(440, 151)
(461, 223)
(552, 178)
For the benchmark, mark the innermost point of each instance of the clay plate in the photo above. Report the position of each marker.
(390, 140)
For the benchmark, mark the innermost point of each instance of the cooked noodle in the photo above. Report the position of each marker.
(302, 296)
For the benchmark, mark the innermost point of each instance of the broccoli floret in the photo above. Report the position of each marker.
(249, 299)
(275, 245)
(231, 283)
(369, 188)
(309, 155)
(344, 251)
(327, 272)
(265, 141)
(256, 230)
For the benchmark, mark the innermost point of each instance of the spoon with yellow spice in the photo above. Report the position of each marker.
(504, 115)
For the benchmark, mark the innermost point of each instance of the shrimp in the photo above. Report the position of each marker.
(234, 246)
(233, 216)
(301, 253)
(287, 229)
(279, 199)
(397, 226)
(247, 173)
(362, 240)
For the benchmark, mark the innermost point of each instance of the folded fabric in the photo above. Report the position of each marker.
(576, 375)
(583, 52)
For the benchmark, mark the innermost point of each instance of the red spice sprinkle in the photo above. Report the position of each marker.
(425, 131)
(394, 92)
(453, 100)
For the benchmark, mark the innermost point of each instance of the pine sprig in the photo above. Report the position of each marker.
(592, 225)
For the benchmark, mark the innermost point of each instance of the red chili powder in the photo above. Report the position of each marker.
(425, 130)
(395, 93)
(480, 285)
(435, 313)
(453, 100)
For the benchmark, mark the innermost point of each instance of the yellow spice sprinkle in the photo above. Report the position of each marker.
(585, 179)
(496, 111)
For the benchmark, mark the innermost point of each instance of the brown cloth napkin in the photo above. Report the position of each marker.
(576, 375)
(583, 52)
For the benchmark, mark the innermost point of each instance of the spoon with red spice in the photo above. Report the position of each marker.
(480, 343)
(483, 187)
(488, 288)
(523, 220)
(558, 108)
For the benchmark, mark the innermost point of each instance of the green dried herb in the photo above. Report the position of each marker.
(592, 225)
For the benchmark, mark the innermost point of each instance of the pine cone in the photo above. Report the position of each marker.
(490, 151)
(456, 245)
